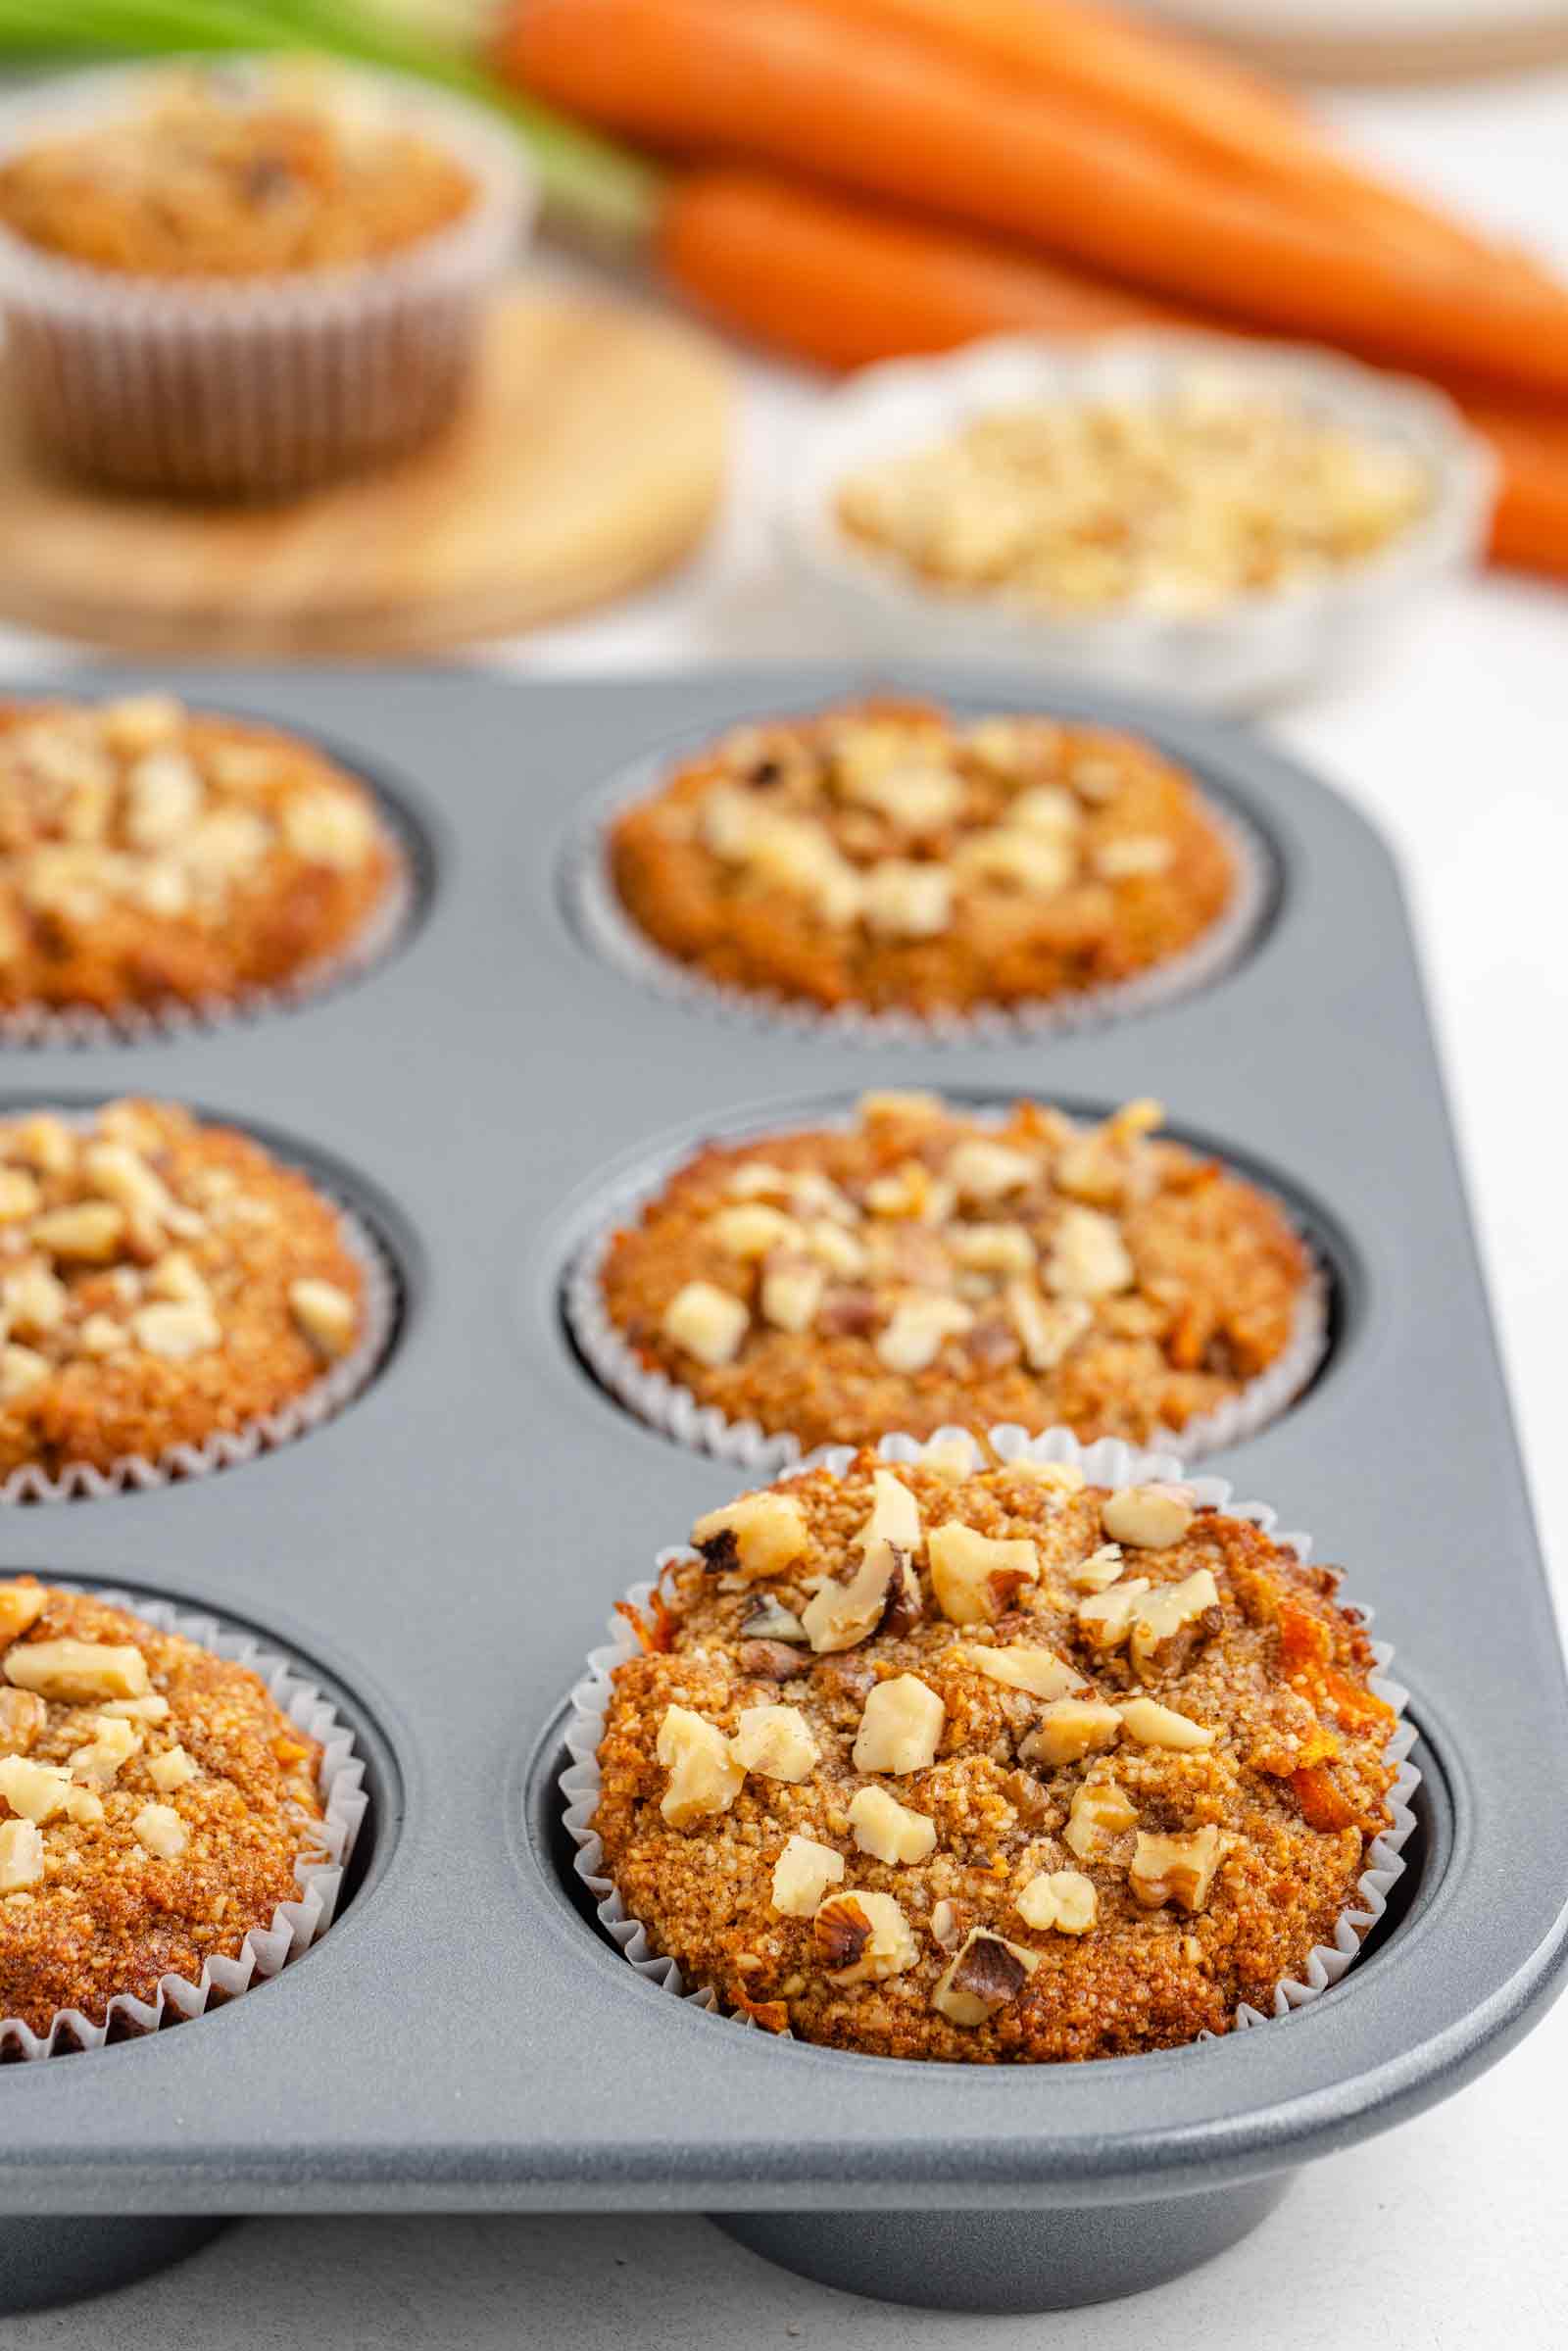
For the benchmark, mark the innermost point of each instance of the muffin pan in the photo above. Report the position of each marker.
(445, 1549)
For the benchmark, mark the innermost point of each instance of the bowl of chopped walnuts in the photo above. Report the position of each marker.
(1187, 514)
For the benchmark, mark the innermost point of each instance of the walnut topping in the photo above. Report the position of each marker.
(35, 1792)
(34, 1299)
(1156, 1726)
(753, 1228)
(889, 1831)
(21, 1855)
(914, 1337)
(327, 826)
(176, 1330)
(1063, 1900)
(839, 1615)
(326, 1314)
(1057, 1477)
(792, 1288)
(704, 1776)
(1170, 1623)
(985, 1975)
(1070, 1729)
(1041, 1672)
(113, 1746)
(138, 722)
(992, 1247)
(802, 1876)
(910, 1190)
(74, 1673)
(21, 1368)
(23, 1715)
(20, 1605)
(951, 1456)
(904, 900)
(20, 1195)
(92, 1231)
(100, 1334)
(171, 1770)
(152, 1708)
(709, 1323)
(160, 1829)
(1099, 1569)
(1175, 1869)
(1133, 858)
(901, 1727)
(1100, 1813)
(770, 1621)
(770, 1661)
(947, 1925)
(1105, 1618)
(118, 1174)
(1019, 857)
(775, 1742)
(899, 1107)
(862, 1938)
(1149, 1517)
(1088, 1256)
(982, 1170)
(1045, 1330)
(759, 1535)
(976, 1576)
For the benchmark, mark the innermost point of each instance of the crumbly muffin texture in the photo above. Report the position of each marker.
(154, 1801)
(152, 856)
(927, 1760)
(891, 857)
(1173, 505)
(161, 1281)
(233, 173)
(922, 1268)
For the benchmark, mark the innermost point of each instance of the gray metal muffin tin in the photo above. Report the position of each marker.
(447, 1551)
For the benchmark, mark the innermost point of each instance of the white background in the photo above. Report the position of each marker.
(1446, 2233)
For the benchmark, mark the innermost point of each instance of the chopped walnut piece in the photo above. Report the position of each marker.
(750, 1229)
(992, 1247)
(947, 1925)
(43, 1141)
(177, 1277)
(896, 1105)
(901, 1727)
(110, 1749)
(1099, 1569)
(73, 1673)
(704, 1776)
(840, 1252)
(160, 1829)
(1087, 1258)
(802, 1876)
(1057, 1477)
(1047, 1329)
(1019, 857)
(759, 1535)
(1021, 1666)
(770, 1661)
(36, 1791)
(20, 1195)
(23, 1715)
(775, 1742)
(1098, 1814)
(709, 1323)
(100, 1334)
(1105, 1618)
(1156, 1726)
(905, 900)
(21, 1855)
(889, 1831)
(326, 1314)
(911, 1191)
(152, 1708)
(1070, 1728)
(1063, 1900)
(1149, 1517)
(20, 1605)
(1134, 856)
(1175, 1869)
(839, 1615)
(770, 1621)
(791, 1293)
(328, 827)
(21, 1368)
(138, 722)
(176, 1330)
(977, 1576)
(171, 1770)
(914, 1337)
(982, 1170)
(949, 1455)
(985, 1975)
(864, 1936)
(1170, 1622)
(91, 1231)
(118, 1174)
(34, 1299)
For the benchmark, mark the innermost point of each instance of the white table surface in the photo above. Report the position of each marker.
(1449, 2233)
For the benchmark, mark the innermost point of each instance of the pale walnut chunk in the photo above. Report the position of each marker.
(1040, 1672)
(1101, 1569)
(91, 1231)
(1156, 1726)
(951, 1456)
(176, 1276)
(802, 1876)
(20, 1195)
(1063, 1902)
(999, 1248)
(1088, 1258)
(163, 799)
(904, 900)
(914, 1337)
(985, 1973)
(35, 1300)
(176, 1330)
(1070, 1728)
(839, 1250)
(326, 1314)
(776, 1743)
(1105, 1618)
(884, 1589)
(21, 1855)
(138, 722)
(20, 1605)
(1175, 1869)
(171, 1770)
(115, 1743)
(329, 826)
(1135, 856)
(21, 1369)
(73, 1673)
(152, 1708)
(917, 793)
(976, 1578)
(889, 1831)
(1098, 1814)
(42, 1141)
(704, 1776)
(1171, 1622)
(751, 1227)
(1019, 858)
(981, 1170)
(910, 1190)
(1150, 1518)
(1048, 1329)
(84, 1806)
(23, 1715)
(792, 1292)
(1062, 1478)
(901, 1727)
(862, 1938)
(35, 1792)
(161, 1831)
(100, 1335)
(1046, 809)
(758, 1535)
(900, 1105)
(707, 1322)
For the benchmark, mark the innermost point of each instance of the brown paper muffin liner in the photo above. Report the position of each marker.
(606, 927)
(671, 1408)
(262, 386)
(1109, 1462)
(38, 1026)
(319, 1871)
(227, 1449)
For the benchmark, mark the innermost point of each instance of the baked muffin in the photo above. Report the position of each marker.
(161, 1282)
(153, 856)
(922, 1267)
(889, 857)
(990, 1765)
(156, 1803)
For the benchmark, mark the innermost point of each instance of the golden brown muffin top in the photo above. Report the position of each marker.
(159, 1281)
(990, 1765)
(924, 1267)
(229, 172)
(154, 1800)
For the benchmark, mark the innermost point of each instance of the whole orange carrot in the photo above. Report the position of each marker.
(779, 79)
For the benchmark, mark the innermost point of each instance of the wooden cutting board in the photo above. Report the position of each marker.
(591, 458)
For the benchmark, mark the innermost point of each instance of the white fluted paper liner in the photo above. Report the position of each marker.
(227, 1449)
(259, 386)
(81, 1026)
(1108, 1462)
(609, 929)
(670, 1408)
(319, 1872)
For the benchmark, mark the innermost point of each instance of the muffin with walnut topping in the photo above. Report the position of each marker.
(154, 857)
(935, 1759)
(923, 1266)
(155, 1803)
(889, 857)
(164, 1284)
